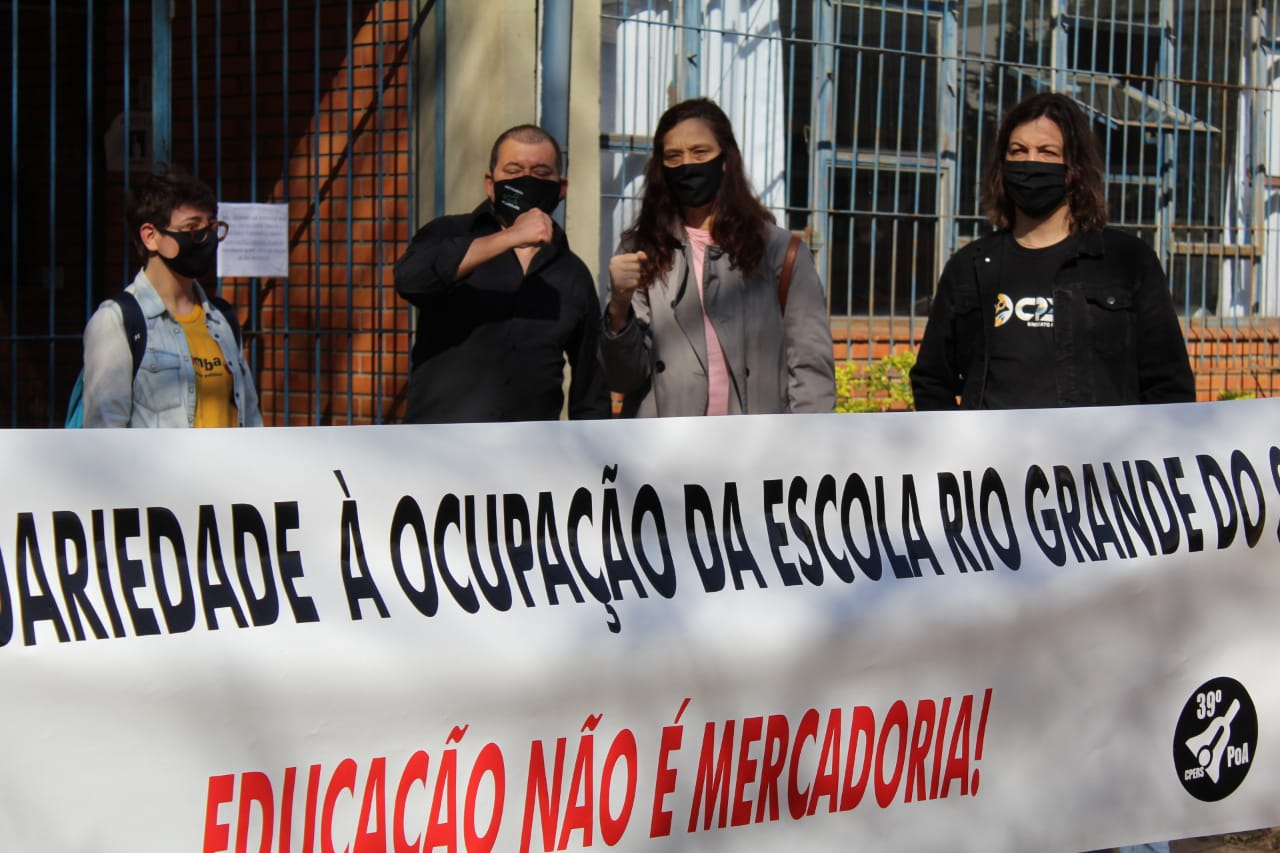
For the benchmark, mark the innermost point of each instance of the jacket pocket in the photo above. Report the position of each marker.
(1111, 322)
(1109, 297)
(965, 301)
(1109, 317)
(158, 385)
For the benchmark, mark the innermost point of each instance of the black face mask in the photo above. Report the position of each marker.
(517, 195)
(695, 184)
(1035, 188)
(193, 259)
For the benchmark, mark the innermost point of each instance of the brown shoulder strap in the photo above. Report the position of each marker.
(788, 264)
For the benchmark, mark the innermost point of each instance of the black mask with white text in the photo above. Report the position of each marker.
(515, 196)
(695, 184)
(1035, 188)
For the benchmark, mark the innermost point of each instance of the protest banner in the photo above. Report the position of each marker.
(1037, 630)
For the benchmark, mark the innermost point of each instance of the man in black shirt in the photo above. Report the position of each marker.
(502, 300)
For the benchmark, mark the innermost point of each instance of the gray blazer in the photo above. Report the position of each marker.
(776, 363)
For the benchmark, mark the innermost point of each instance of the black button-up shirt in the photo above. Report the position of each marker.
(491, 346)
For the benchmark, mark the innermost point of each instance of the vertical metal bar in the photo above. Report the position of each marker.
(350, 147)
(217, 102)
(411, 126)
(1002, 55)
(127, 127)
(255, 282)
(286, 182)
(161, 83)
(556, 51)
(822, 134)
(990, 64)
(948, 137)
(51, 279)
(318, 379)
(13, 213)
(899, 145)
(195, 91)
(1167, 156)
(689, 71)
(1203, 260)
(1257, 82)
(440, 140)
(875, 170)
(1059, 47)
(1109, 154)
(789, 99)
(855, 135)
(1227, 159)
(90, 153)
(253, 102)
(379, 332)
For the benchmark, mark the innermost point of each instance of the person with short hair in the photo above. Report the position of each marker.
(192, 372)
(698, 321)
(502, 300)
(1054, 308)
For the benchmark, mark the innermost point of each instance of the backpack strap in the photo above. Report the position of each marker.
(135, 332)
(135, 323)
(135, 326)
(229, 314)
(788, 264)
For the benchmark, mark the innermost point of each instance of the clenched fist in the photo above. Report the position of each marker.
(624, 278)
(531, 228)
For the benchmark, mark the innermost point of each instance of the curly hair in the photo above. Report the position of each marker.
(1086, 198)
(738, 219)
(154, 199)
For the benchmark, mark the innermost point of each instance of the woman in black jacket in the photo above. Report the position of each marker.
(1054, 308)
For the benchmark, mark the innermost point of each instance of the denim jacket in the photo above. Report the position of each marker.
(163, 393)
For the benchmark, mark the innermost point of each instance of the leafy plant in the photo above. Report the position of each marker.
(1235, 394)
(875, 386)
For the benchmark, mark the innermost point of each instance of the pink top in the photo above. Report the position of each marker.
(717, 369)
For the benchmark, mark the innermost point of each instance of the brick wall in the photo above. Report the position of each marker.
(1235, 360)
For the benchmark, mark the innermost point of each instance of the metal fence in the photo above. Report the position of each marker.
(868, 123)
(864, 123)
(302, 104)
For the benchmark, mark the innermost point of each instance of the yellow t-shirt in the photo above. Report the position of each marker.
(215, 387)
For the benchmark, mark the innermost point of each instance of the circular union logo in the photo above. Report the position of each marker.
(1216, 739)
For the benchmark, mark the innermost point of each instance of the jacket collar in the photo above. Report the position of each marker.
(151, 303)
(1091, 243)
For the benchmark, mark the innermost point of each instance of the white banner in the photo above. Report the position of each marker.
(1041, 630)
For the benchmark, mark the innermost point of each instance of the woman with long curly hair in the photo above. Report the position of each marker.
(713, 309)
(1054, 308)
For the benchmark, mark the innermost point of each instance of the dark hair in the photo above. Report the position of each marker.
(153, 200)
(1086, 198)
(739, 215)
(530, 134)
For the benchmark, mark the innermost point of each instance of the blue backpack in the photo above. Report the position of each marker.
(135, 329)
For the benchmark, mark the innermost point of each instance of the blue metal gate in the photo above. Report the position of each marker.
(303, 104)
(877, 147)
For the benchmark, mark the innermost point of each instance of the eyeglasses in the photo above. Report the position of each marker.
(217, 230)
